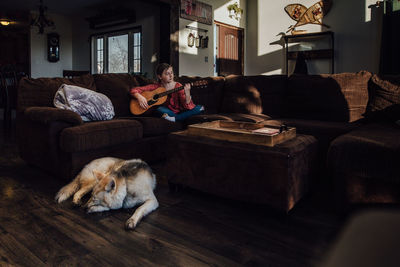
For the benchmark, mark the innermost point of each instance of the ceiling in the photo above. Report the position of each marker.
(64, 7)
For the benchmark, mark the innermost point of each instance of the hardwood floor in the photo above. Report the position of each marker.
(188, 229)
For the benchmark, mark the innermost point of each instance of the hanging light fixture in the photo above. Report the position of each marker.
(5, 21)
(41, 21)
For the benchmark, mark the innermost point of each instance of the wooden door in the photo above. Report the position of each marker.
(15, 43)
(230, 50)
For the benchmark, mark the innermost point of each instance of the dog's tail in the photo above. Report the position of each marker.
(67, 190)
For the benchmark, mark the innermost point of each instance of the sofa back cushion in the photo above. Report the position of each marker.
(330, 97)
(40, 92)
(384, 100)
(254, 94)
(209, 95)
(116, 86)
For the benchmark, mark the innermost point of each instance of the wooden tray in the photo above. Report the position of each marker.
(240, 132)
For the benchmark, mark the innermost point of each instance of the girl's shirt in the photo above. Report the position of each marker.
(175, 101)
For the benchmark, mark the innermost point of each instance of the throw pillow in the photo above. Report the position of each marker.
(90, 105)
(384, 103)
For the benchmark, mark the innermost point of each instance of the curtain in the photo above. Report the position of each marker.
(390, 47)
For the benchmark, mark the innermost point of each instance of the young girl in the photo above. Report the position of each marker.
(179, 105)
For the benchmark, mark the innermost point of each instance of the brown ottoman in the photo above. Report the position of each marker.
(277, 176)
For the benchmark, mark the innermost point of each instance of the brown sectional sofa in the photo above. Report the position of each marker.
(339, 110)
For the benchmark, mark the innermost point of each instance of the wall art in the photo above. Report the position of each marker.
(312, 15)
(197, 11)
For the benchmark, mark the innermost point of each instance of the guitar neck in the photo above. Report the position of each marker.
(171, 91)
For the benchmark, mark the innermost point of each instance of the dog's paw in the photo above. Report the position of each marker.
(60, 197)
(130, 224)
(77, 201)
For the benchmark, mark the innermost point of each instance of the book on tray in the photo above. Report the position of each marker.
(266, 131)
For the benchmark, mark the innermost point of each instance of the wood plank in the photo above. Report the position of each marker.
(14, 250)
(47, 243)
(179, 249)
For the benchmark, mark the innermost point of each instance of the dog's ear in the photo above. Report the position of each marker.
(98, 175)
(110, 186)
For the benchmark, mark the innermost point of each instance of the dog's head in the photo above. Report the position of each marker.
(109, 193)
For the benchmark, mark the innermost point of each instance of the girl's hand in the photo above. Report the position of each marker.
(187, 93)
(187, 89)
(142, 101)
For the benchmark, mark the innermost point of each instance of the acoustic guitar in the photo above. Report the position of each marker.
(158, 97)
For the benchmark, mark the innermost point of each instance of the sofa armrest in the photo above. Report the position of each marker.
(46, 115)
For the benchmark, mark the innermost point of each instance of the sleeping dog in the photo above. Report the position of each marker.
(115, 183)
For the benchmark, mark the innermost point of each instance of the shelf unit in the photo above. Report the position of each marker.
(311, 54)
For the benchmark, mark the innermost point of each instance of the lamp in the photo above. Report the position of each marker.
(5, 22)
(41, 21)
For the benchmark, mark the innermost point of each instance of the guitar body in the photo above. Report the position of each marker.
(152, 100)
(158, 97)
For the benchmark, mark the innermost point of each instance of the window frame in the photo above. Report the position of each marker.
(105, 35)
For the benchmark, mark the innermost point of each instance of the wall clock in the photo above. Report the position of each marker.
(53, 47)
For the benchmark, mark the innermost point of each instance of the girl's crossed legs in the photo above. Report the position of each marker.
(180, 116)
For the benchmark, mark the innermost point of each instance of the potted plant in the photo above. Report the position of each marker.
(235, 10)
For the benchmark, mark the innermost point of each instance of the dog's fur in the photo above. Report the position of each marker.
(115, 183)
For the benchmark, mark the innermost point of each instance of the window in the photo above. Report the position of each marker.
(117, 52)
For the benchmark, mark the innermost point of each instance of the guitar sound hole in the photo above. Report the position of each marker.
(151, 102)
(156, 96)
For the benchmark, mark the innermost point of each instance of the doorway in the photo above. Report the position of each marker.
(229, 49)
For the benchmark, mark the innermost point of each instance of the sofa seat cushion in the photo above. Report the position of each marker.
(153, 126)
(329, 97)
(370, 151)
(94, 135)
(324, 131)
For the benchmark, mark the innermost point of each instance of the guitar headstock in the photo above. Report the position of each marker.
(200, 83)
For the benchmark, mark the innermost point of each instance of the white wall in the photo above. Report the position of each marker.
(147, 16)
(192, 60)
(357, 40)
(40, 66)
(357, 34)
(75, 44)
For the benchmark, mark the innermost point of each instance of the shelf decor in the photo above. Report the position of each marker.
(197, 11)
(235, 11)
(190, 39)
(311, 15)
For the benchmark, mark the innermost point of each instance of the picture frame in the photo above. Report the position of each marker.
(196, 11)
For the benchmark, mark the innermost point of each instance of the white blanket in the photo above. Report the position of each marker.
(90, 105)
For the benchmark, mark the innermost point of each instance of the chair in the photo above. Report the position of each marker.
(10, 75)
(8, 85)
(74, 73)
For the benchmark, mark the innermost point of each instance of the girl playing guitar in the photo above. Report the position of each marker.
(179, 105)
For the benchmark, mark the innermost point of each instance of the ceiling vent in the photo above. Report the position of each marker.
(112, 18)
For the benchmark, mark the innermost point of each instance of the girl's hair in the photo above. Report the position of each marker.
(161, 67)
